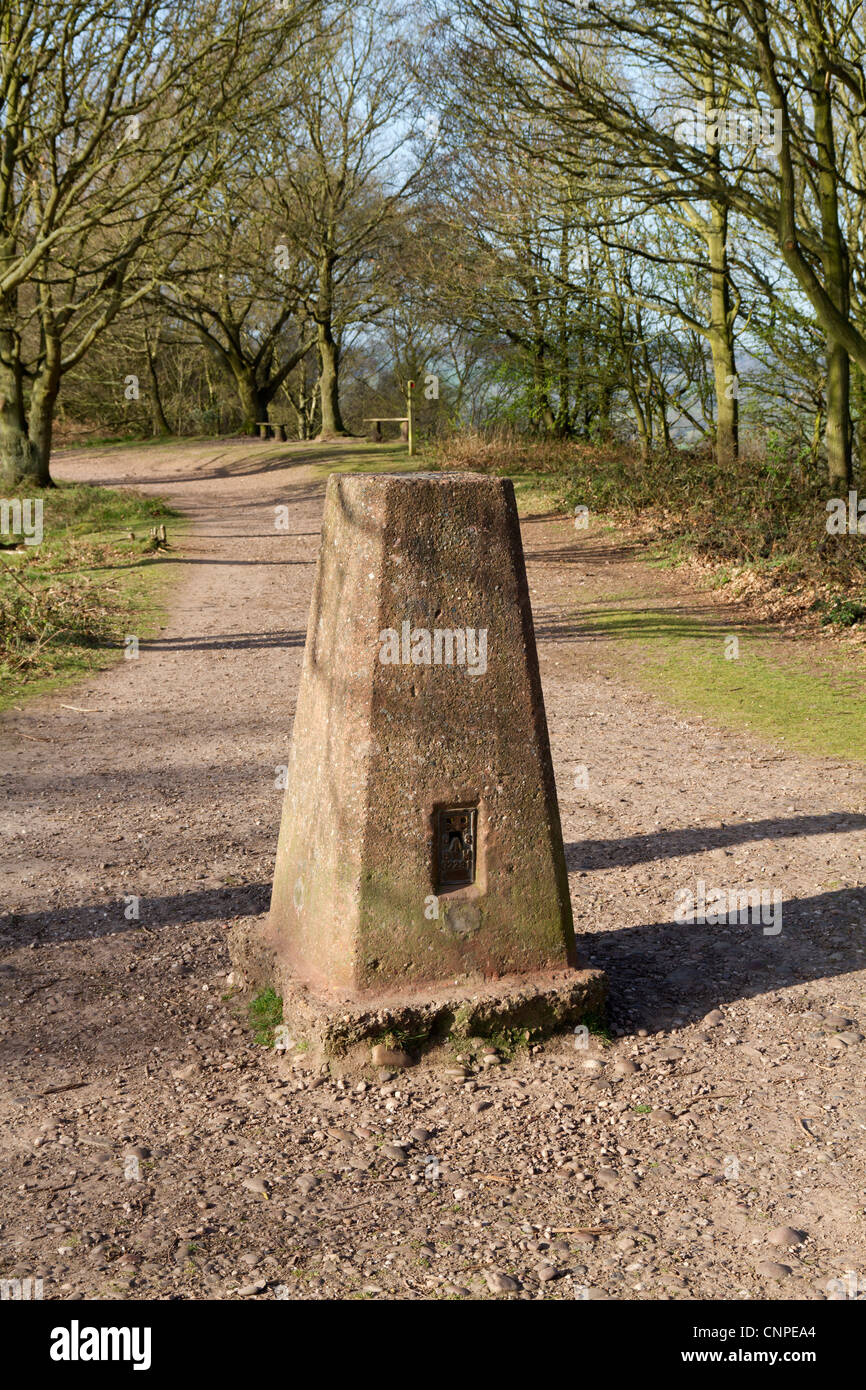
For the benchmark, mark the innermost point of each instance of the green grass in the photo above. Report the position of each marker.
(767, 514)
(599, 1029)
(535, 492)
(808, 702)
(400, 1039)
(358, 456)
(265, 1014)
(101, 441)
(67, 604)
(506, 1041)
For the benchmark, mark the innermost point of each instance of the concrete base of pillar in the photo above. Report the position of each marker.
(432, 1025)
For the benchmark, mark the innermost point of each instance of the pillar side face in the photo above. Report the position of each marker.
(314, 904)
(421, 814)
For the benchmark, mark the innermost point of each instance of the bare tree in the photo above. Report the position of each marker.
(769, 88)
(349, 169)
(113, 121)
(244, 291)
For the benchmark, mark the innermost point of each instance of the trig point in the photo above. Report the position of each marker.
(420, 885)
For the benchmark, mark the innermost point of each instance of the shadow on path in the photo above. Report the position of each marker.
(655, 969)
(107, 918)
(228, 641)
(670, 969)
(670, 844)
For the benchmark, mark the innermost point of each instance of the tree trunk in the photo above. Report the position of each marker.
(158, 423)
(643, 425)
(563, 413)
(664, 423)
(329, 355)
(301, 409)
(20, 461)
(721, 339)
(858, 435)
(815, 446)
(329, 384)
(541, 414)
(605, 404)
(43, 400)
(303, 422)
(254, 406)
(837, 436)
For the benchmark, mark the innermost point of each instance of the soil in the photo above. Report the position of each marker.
(712, 1146)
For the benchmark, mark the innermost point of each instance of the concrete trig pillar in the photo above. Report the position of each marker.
(420, 874)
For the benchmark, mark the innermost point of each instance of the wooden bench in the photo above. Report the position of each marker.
(268, 431)
(379, 420)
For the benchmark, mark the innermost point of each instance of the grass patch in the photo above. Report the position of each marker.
(67, 603)
(539, 474)
(358, 456)
(599, 1028)
(766, 515)
(507, 1041)
(806, 702)
(265, 1014)
(401, 1040)
(100, 441)
(535, 491)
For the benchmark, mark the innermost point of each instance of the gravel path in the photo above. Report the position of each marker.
(714, 1149)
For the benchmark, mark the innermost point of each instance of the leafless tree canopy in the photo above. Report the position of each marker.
(584, 218)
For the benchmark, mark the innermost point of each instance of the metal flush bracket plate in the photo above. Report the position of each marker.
(456, 831)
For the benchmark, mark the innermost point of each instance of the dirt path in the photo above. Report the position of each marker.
(138, 1123)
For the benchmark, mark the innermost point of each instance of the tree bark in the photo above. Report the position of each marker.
(605, 403)
(837, 435)
(329, 384)
(720, 334)
(563, 412)
(20, 460)
(329, 356)
(158, 423)
(254, 402)
(541, 413)
(858, 435)
(643, 423)
(43, 401)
